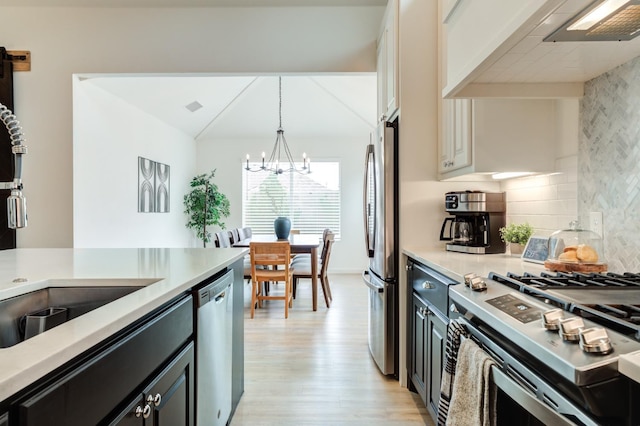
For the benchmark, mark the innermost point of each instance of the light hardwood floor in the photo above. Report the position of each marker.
(314, 368)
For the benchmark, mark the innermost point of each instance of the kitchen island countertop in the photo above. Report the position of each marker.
(165, 272)
(456, 265)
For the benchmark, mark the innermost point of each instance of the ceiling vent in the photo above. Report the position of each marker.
(194, 106)
(602, 20)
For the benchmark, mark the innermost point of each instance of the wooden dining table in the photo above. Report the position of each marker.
(300, 243)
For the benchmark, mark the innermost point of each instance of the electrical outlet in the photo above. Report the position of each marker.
(595, 223)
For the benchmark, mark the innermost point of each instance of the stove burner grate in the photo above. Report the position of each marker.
(624, 318)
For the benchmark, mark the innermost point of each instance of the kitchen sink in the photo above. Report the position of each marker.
(29, 314)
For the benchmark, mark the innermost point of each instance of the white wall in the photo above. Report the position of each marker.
(227, 157)
(549, 203)
(421, 195)
(64, 41)
(108, 136)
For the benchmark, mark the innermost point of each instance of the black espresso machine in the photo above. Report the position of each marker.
(476, 221)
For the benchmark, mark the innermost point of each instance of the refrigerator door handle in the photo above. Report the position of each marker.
(372, 286)
(368, 205)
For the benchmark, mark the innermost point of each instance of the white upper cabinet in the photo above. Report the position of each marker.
(497, 48)
(387, 64)
(455, 143)
(482, 137)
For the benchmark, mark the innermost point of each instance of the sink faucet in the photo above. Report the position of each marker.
(16, 203)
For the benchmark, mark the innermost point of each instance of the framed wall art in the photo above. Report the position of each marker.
(153, 186)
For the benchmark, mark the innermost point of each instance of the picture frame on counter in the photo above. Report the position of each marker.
(536, 250)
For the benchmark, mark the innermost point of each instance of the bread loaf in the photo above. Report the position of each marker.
(586, 253)
(568, 256)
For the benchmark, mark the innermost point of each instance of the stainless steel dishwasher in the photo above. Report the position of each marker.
(214, 311)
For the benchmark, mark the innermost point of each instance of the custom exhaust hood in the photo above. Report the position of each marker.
(536, 48)
(602, 20)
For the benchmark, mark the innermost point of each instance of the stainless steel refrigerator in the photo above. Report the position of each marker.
(381, 230)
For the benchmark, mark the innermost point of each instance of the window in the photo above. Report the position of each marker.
(311, 201)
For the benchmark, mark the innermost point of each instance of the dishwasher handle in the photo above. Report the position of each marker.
(214, 291)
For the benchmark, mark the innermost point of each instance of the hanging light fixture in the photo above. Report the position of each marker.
(281, 160)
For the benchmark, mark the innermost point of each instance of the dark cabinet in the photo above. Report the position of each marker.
(4, 419)
(437, 332)
(427, 332)
(141, 361)
(419, 348)
(167, 400)
(427, 352)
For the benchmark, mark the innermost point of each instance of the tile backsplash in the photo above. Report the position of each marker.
(609, 161)
(548, 202)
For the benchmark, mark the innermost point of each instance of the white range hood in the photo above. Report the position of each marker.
(520, 49)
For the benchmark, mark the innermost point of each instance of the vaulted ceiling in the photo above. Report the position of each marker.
(247, 107)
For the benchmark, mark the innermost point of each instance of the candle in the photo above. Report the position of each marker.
(263, 159)
(247, 162)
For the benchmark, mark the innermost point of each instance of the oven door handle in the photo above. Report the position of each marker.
(528, 401)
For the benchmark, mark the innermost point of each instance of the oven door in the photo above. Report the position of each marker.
(523, 396)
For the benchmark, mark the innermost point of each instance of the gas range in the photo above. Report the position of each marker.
(513, 311)
(559, 337)
(609, 299)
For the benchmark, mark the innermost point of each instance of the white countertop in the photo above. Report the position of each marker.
(629, 365)
(456, 265)
(170, 271)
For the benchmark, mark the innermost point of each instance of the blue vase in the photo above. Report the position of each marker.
(282, 226)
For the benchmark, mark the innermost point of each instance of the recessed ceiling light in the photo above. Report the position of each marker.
(194, 106)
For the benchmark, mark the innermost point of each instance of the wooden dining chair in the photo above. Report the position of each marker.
(302, 269)
(270, 263)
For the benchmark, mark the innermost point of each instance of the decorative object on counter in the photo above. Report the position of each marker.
(16, 203)
(205, 205)
(517, 235)
(282, 226)
(536, 250)
(575, 250)
(153, 186)
(275, 164)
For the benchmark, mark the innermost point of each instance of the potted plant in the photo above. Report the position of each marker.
(205, 205)
(517, 236)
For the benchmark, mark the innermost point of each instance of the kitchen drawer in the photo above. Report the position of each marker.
(430, 285)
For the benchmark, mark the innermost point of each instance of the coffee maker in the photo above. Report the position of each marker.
(476, 221)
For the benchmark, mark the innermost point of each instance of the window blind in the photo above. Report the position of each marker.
(311, 201)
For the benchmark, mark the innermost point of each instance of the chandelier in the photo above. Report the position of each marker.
(281, 159)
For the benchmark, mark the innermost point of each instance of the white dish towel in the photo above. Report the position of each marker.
(473, 399)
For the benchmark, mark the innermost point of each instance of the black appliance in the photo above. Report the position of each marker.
(475, 226)
(556, 339)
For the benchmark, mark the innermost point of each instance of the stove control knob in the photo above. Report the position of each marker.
(474, 282)
(551, 319)
(595, 340)
(570, 328)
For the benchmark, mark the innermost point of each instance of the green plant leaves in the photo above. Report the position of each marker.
(516, 233)
(205, 206)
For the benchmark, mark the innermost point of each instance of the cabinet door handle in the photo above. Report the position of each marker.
(428, 285)
(144, 412)
(155, 400)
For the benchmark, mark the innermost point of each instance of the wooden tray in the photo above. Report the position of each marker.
(556, 266)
